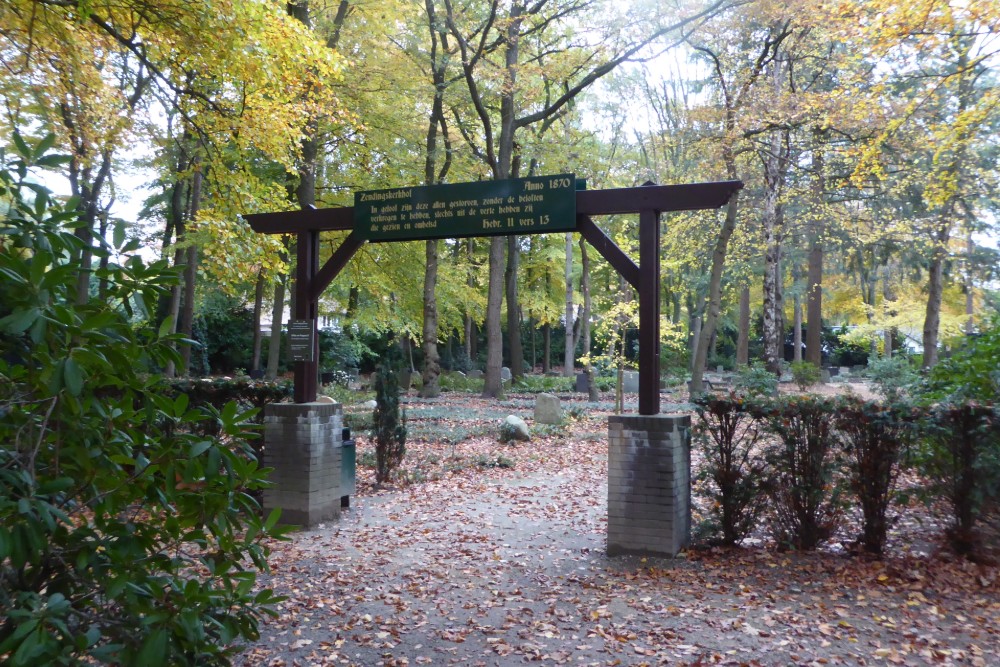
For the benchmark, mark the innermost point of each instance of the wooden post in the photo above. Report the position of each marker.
(307, 308)
(649, 312)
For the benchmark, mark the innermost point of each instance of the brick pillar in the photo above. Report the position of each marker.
(302, 442)
(649, 484)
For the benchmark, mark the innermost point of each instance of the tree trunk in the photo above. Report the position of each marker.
(277, 312)
(814, 277)
(258, 308)
(887, 298)
(187, 310)
(432, 362)
(707, 332)
(492, 386)
(588, 367)
(743, 335)
(569, 354)
(430, 387)
(797, 329)
(546, 348)
(190, 270)
(102, 285)
(935, 292)
(696, 366)
(771, 214)
(514, 309)
(174, 313)
(970, 325)
(470, 330)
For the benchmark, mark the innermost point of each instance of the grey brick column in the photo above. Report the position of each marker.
(649, 484)
(302, 442)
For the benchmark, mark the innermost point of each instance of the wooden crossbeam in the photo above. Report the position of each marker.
(648, 201)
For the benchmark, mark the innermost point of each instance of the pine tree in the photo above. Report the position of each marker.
(388, 421)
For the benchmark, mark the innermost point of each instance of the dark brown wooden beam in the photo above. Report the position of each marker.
(307, 372)
(334, 265)
(609, 250)
(662, 198)
(308, 220)
(649, 313)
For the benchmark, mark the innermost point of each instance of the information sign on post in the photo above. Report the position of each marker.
(540, 204)
(300, 340)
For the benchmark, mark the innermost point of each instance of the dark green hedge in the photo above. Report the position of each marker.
(809, 459)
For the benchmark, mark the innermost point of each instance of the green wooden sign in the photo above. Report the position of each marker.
(536, 205)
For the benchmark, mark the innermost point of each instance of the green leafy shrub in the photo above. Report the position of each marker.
(388, 420)
(455, 382)
(804, 496)
(729, 438)
(970, 373)
(537, 384)
(961, 436)
(961, 456)
(892, 377)
(755, 380)
(359, 421)
(805, 374)
(875, 437)
(127, 536)
(217, 392)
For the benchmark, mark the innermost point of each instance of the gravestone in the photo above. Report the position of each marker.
(581, 383)
(505, 375)
(548, 409)
(406, 380)
(475, 374)
(824, 376)
(630, 382)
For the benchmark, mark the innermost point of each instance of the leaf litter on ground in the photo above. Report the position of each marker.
(470, 564)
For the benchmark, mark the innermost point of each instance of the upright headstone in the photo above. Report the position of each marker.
(581, 383)
(475, 374)
(505, 375)
(548, 409)
(406, 380)
(649, 484)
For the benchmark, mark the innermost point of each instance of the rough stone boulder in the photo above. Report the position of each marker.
(516, 427)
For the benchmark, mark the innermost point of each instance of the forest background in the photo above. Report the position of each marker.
(865, 133)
